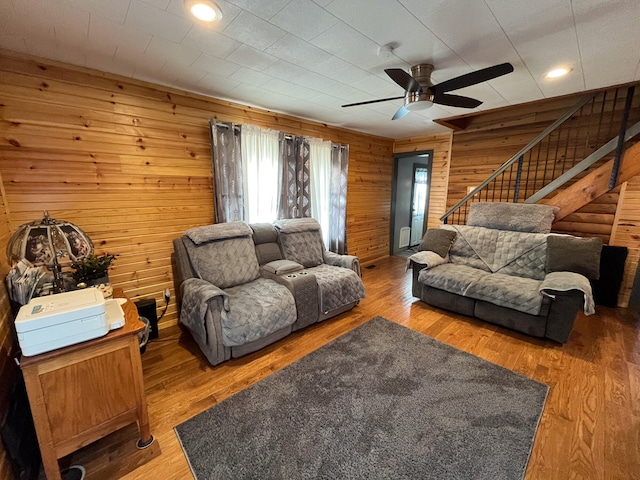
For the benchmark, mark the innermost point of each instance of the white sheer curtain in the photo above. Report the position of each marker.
(320, 166)
(260, 157)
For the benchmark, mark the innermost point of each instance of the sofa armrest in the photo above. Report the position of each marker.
(416, 287)
(569, 292)
(419, 261)
(347, 261)
(198, 297)
(203, 305)
(182, 268)
(566, 281)
(196, 291)
(563, 310)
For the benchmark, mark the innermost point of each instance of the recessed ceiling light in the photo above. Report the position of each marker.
(205, 10)
(557, 72)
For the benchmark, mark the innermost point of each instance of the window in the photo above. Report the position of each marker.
(261, 173)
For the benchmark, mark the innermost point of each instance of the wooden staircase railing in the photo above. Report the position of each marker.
(570, 148)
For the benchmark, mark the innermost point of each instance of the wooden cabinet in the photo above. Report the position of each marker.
(83, 392)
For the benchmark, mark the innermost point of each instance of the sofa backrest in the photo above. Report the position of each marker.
(265, 237)
(521, 254)
(301, 241)
(223, 254)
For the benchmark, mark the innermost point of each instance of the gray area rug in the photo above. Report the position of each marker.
(381, 401)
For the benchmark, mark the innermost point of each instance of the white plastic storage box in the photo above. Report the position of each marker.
(63, 319)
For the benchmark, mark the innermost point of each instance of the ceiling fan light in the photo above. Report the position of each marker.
(419, 105)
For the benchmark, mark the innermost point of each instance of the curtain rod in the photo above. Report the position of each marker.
(224, 125)
(237, 127)
(288, 137)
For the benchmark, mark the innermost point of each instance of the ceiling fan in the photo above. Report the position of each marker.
(421, 93)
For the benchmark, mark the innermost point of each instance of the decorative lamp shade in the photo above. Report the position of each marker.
(43, 242)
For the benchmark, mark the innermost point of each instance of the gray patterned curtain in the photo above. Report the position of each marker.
(227, 172)
(295, 192)
(338, 207)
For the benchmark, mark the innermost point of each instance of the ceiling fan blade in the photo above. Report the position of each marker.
(372, 101)
(402, 111)
(456, 100)
(403, 79)
(473, 78)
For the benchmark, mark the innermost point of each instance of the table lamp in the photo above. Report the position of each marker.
(46, 242)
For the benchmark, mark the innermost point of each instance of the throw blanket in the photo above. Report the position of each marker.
(218, 231)
(500, 251)
(337, 286)
(565, 281)
(426, 257)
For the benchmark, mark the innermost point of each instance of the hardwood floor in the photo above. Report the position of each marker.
(590, 428)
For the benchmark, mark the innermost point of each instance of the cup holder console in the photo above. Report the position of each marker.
(295, 275)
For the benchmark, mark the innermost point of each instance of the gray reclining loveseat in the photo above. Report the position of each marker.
(505, 267)
(238, 291)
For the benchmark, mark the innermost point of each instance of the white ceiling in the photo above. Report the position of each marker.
(307, 58)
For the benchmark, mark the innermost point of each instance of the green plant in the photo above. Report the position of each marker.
(92, 267)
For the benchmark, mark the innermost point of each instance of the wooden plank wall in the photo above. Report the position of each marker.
(441, 146)
(129, 162)
(626, 233)
(594, 219)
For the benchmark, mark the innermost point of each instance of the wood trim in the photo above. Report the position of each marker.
(461, 122)
(616, 218)
(441, 146)
(595, 183)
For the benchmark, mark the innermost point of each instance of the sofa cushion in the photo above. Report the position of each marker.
(256, 309)
(517, 293)
(516, 253)
(337, 286)
(574, 254)
(224, 263)
(303, 247)
(519, 217)
(529, 264)
(265, 236)
(451, 277)
(264, 233)
(463, 249)
(437, 240)
(268, 252)
(521, 254)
